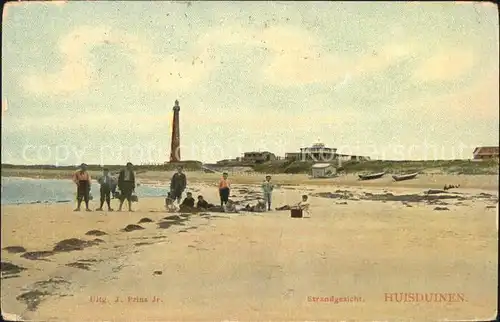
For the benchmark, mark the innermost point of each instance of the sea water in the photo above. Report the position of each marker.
(26, 190)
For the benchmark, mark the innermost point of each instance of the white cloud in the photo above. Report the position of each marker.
(300, 59)
(154, 71)
(75, 73)
(295, 58)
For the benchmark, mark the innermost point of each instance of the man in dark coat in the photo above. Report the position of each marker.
(126, 184)
(178, 185)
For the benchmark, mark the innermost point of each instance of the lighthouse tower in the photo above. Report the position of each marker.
(175, 148)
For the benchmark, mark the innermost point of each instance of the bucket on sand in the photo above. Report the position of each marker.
(296, 213)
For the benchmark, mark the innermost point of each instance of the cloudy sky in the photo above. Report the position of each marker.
(96, 81)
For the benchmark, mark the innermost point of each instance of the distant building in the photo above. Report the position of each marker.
(317, 152)
(346, 157)
(227, 161)
(293, 156)
(323, 170)
(258, 156)
(486, 152)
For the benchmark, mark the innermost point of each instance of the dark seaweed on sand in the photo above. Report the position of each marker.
(172, 220)
(132, 227)
(9, 268)
(68, 245)
(143, 243)
(32, 299)
(36, 255)
(391, 197)
(85, 266)
(173, 217)
(15, 249)
(95, 233)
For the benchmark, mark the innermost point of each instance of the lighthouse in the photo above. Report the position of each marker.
(175, 148)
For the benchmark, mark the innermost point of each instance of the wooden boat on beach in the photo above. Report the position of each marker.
(402, 177)
(371, 176)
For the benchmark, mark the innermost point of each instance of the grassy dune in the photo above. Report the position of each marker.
(465, 167)
(438, 166)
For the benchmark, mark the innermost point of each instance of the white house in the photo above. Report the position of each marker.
(323, 170)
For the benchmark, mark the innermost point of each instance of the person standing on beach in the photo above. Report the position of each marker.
(113, 186)
(126, 184)
(267, 189)
(82, 180)
(224, 189)
(178, 185)
(106, 183)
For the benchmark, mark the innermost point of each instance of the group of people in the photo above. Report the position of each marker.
(126, 184)
(178, 184)
(108, 185)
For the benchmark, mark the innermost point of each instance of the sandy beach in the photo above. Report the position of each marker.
(379, 121)
(364, 244)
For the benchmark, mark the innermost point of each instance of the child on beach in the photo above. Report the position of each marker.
(224, 189)
(188, 203)
(106, 182)
(259, 207)
(169, 204)
(267, 189)
(202, 204)
(303, 204)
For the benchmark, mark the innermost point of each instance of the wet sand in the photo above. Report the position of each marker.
(362, 244)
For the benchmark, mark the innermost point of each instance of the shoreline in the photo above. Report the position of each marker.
(294, 181)
(430, 180)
